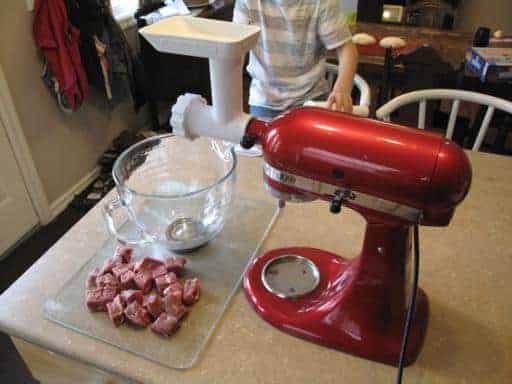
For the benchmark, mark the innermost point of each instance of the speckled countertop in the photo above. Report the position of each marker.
(465, 269)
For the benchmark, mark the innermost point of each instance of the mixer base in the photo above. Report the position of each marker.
(358, 307)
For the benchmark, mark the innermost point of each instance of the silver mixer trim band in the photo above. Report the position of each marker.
(356, 198)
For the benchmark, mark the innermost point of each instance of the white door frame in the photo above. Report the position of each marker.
(22, 154)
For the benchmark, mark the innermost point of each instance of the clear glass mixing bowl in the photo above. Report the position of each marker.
(173, 191)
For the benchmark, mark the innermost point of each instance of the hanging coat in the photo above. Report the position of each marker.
(108, 60)
(59, 42)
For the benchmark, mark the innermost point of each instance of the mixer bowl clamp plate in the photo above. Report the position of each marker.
(290, 276)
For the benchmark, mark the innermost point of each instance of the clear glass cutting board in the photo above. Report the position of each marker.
(219, 265)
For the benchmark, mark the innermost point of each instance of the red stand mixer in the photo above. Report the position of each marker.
(396, 177)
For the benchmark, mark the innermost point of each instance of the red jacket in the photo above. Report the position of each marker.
(59, 41)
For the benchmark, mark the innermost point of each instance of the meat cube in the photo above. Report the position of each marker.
(173, 304)
(159, 271)
(191, 291)
(115, 311)
(127, 280)
(109, 264)
(163, 281)
(144, 281)
(107, 280)
(165, 325)
(130, 295)
(118, 270)
(147, 264)
(153, 304)
(137, 314)
(124, 254)
(176, 265)
(174, 287)
(91, 279)
(97, 299)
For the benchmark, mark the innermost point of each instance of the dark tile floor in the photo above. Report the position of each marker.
(26, 253)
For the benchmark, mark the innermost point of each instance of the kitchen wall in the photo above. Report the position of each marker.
(495, 14)
(65, 147)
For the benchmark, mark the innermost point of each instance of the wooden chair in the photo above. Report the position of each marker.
(492, 103)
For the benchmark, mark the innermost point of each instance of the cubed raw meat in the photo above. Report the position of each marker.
(124, 254)
(163, 281)
(143, 281)
(173, 304)
(147, 264)
(131, 295)
(118, 270)
(165, 325)
(115, 311)
(153, 304)
(176, 265)
(191, 291)
(91, 278)
(159, 271)
(109, 264)
(112, 289)
(107, 279)
(97, 299)
(137, 314)
(127, 280)
(174, 287)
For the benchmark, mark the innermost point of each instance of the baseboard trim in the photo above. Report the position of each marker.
(63, 201)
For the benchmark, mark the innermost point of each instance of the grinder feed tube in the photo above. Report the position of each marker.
(224, 119)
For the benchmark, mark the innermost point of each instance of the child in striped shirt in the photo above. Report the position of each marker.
(287, 65)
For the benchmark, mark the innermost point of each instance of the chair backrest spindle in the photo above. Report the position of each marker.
(453, 118)
(483, 128)
(422, 113)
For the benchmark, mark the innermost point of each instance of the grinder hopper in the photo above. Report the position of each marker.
(225, 45)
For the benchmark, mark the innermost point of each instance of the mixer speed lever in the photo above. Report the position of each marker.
(340, 196)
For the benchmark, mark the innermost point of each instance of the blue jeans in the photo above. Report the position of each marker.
(265, 113)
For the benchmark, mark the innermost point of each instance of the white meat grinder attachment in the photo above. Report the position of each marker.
(225, 45)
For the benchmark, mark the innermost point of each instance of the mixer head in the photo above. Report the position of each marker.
(385, 171)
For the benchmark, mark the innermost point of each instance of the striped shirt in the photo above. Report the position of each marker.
(287, 65)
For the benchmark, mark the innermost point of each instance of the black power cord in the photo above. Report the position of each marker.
(412, 304)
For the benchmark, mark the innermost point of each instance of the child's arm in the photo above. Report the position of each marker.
(334, 33)
(340, 98)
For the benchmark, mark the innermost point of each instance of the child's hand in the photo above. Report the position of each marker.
(340, 101)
